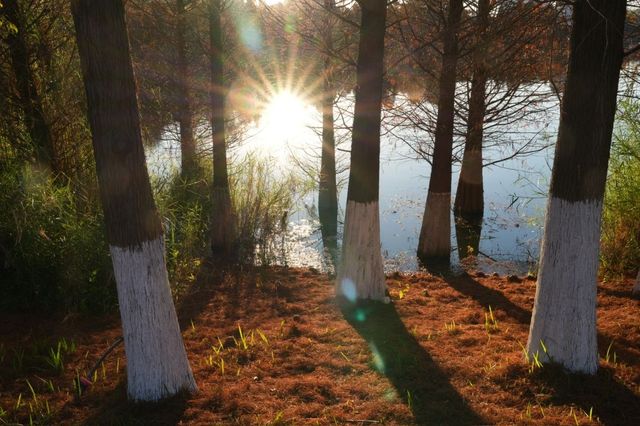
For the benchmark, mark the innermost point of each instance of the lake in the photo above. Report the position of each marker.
(514, 189)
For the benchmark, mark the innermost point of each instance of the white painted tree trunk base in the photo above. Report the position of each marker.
(361, 275)
(636, 287)
(435, 234)
(157, 364)
(564, 313)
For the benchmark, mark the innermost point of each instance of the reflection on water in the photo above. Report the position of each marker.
(468, 236)
(506, 240)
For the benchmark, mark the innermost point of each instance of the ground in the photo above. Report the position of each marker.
(274, 347)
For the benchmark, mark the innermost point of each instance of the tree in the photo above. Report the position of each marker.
(434, 243)
(30, 99)
(636, 287)
(361, 274)
(157, 364)
(469, 202)
(563, 326)
(328, 192)
(184, 113)
(504, 50)
(222, 224)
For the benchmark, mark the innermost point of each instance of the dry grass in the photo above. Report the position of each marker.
(275, 348)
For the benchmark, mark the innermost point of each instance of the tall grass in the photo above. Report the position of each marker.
(620, 242)
(263, 197)
(183, 206)
(53, 252)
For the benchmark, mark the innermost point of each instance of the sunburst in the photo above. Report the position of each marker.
(278, 92)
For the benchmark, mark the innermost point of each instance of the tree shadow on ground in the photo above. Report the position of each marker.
(198, 295)
(115, 409)
(415, 375)
(609, 400)
(486, 296)
(214, 279)
(622, 294)
(233, 290)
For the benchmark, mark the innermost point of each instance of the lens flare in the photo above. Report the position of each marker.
(348, 289)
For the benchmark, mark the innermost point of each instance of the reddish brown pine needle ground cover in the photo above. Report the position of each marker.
(275, 347)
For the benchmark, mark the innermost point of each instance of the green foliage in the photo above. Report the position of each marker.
(184, 205)
(53, 250)
(620, 242)
(53, 253)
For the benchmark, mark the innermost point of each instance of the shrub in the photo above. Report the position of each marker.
(620, 243)
(54, 252)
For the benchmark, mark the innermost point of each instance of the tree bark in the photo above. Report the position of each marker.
(469, 202)
(361, 274)
(328, 192)
(434, 244)
(30, 100)
(563, 325)
(636, 287)
(222, 224)
(157, 364)
(189, 161)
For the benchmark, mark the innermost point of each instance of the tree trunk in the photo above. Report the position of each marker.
(30, 100)
(329, 250)
(636, 287)
(434, 244)
(469, 202)
(157, 364)
(328, 192)
(564, 313)
(361, 274)
(222, 224)
(188, 160)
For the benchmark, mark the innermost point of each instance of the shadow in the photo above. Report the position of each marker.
(435, 265)
(620, 348)
(209, 279)
(611, 401)
(622, 294)
(486, 296)
(415, 375)
(254, 290)
(115, 409)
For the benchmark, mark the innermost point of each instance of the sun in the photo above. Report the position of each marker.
(285, 118)
(287, 123)
(284, 111)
